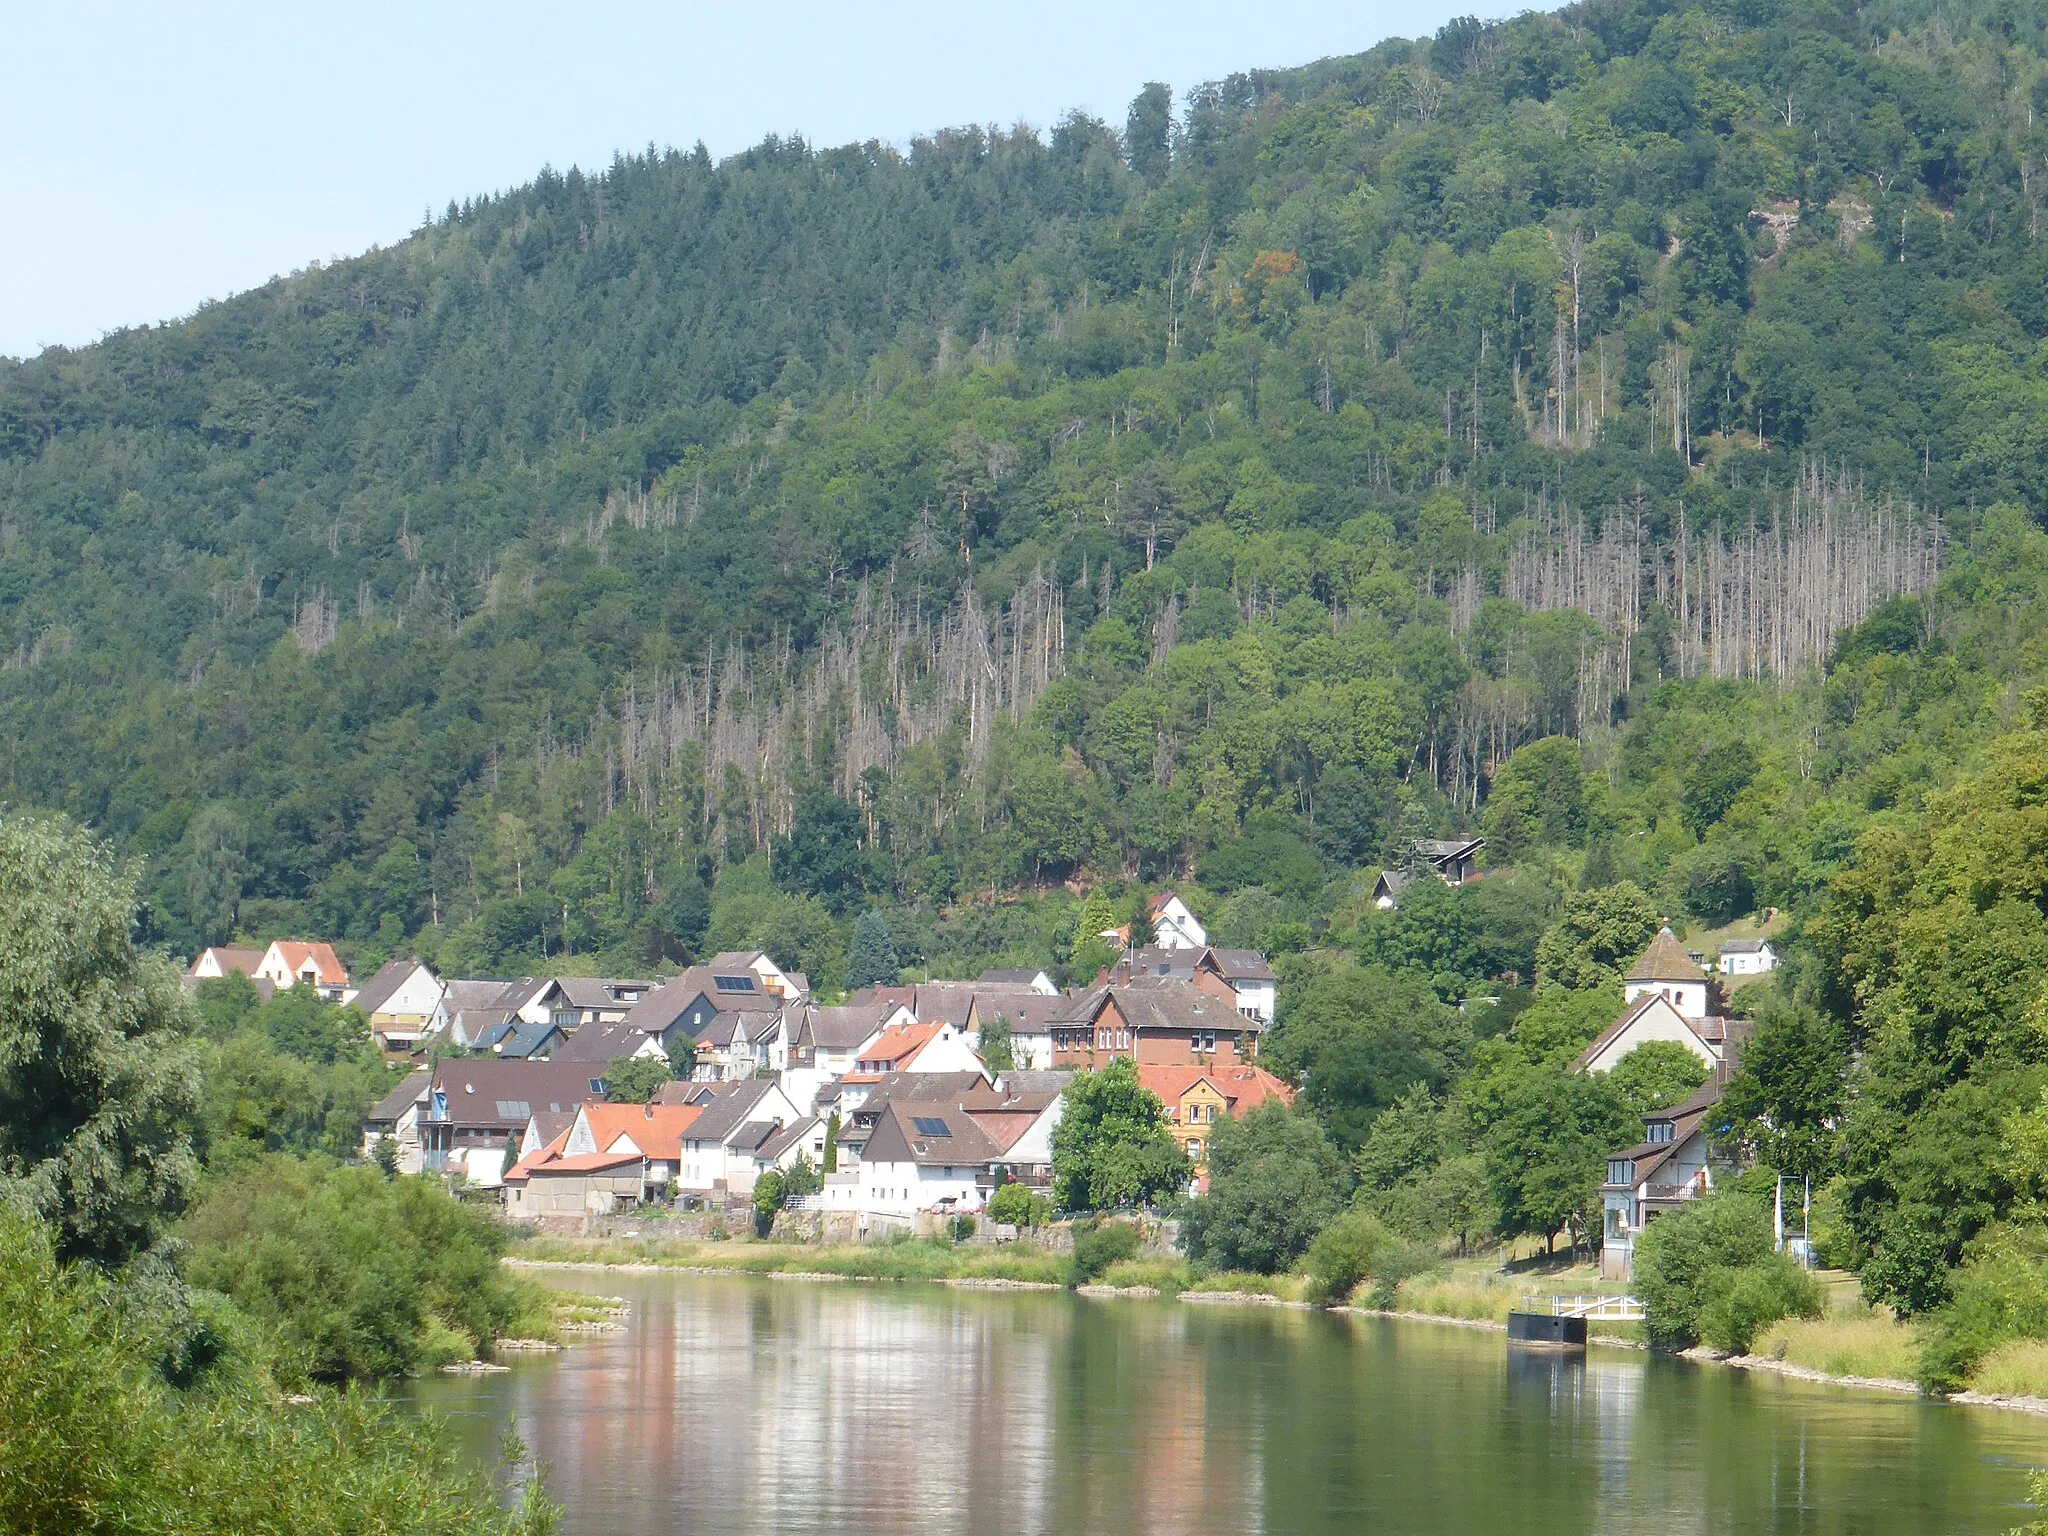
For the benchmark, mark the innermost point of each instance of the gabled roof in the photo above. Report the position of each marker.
(656, 1129)
(1745, 946)
(1665, 960)
(1158, 903)
(1392, 882)
(928, 1134)
(1441, 850)
(502, 1095)
(410, 1090)
(790, 1135)
(1028, 1011)
(523, 1039)
(600, 1043)
(232, 958)
(915, 1088)
(392, 975)
(1242, 1088)
(899, 1043)
(298, 954)
(1010, 976)
(942, 1002)
(843, 1029)
(1634, 1011)
(583, 1162)
(728, 1107)
(1242, 964)
(534, 1157)
(589, 992)
(1157, 1002)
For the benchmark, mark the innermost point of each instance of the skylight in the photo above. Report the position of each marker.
(929, 1126)
(733, 983)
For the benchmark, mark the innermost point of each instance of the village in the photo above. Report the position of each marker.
(904, 1108)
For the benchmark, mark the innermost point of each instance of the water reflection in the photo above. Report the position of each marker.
(796, 1407)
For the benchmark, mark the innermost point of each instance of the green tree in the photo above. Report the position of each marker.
(1111, 1147)
(1705, 1271)
(873, 962)
(994, 1045)
(1714, 783)
(1147, 132)
(635, 1079)
(99, 1087)
(1784, 1104)
(1546, 1146)
(1537, 799)
(1358, 1038)
(1274, 1180)
(1657, 1075)
(1596, 937)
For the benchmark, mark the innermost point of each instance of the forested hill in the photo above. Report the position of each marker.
(1224, 494)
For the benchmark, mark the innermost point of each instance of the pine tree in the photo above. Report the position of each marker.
(874, 961)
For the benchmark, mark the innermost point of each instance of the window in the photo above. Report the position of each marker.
(1194, 1149)
(1204, 1040)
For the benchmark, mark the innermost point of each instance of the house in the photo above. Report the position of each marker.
(1664, 968)
(574, 1001)
(225, 960)
(770, 978)
(1671, 1165)
(1156, 1021)
(782, 1149)
(862, 1110)
(735, 1121)
(474, 1106)
(924, 1157)
(1452, 860)
(1173, 925)
(1199, 1096)
(655, 1131)
(292, 962)
(926, 1046)
(1019, 1113)
(1022, 976)
(1250, 978)
(550, 1183)
(597, 1044)
(1027, 1012)
(400, 1002)
(398, 1116)
(520, 1041)
(1240, 977)
(1667, 999)
(1386, 891)
(827, 1041)
(1746, 957)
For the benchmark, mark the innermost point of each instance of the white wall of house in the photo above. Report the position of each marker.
(950, 1050)
(1256, 999)
(903, 1189)
(1753, 963)
(1659, 1021)
(1175, 927)
(1031, 1050)
(1688, 997)
(1035, 1145)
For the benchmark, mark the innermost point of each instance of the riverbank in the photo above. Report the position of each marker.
(1853, 1347)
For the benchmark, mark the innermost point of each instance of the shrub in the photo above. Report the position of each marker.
(1356, 1247)
(1096, 1248)
(2000, 1293)
(1016, 1206)
(1706, 1271)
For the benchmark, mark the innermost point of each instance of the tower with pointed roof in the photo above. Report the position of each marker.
(1665, 970)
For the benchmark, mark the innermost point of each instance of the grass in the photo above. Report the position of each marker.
(1460, 1296)
(2017, 1368)
(919, 1260)
(1844, 1343)
(1281, 1287)
(1169, 1277)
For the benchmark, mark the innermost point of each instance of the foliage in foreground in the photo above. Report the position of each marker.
(356, 1277)
(93, 1441)
(1274, 1180)
(1111, 1147)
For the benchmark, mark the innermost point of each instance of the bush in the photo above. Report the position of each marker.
(1096, 1248)
(1999, 1294)
(1015, 1205)
(352, 1275)
(1707, 1271)
(92, 1440)
(1354, 1248)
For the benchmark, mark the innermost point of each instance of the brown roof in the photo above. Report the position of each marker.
(232, 958)
(504, 1095)
(1159, 1002)
(1665, 960)
(410, 1090)
(389, 978)
(843, 1029)
(927, 1134)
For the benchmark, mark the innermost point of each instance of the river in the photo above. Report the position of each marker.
(794, 1407)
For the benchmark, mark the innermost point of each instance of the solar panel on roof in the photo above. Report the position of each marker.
(929, 1126)
(733, 983)
(513, 1109)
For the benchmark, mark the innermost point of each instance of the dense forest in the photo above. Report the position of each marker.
(1620, 432)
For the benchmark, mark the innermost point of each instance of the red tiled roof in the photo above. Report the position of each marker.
(326, 965)
(656, 1129)
(900, 1042)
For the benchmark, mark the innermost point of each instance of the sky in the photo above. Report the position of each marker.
(153, 157)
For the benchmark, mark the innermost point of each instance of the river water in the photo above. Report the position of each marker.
(793, 1407)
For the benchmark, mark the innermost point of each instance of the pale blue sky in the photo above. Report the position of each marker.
(155, 156)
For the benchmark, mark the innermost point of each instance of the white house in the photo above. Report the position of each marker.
(654, 1131)
(924, 1157)
(784, 986)
(1021, 976)
(400, 1002)
(1668, 1168)
(224, 960)
(1251, 978)
(290, 962)
(1173, 925)
(1666, 970)
(1026, 1012)
(734, 1122)
(1746, 957)
(922, 1047)
(828, 1041)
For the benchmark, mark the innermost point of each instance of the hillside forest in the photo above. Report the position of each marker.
(1619, 432)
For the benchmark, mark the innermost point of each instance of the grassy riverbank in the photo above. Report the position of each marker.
(921, 1260)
